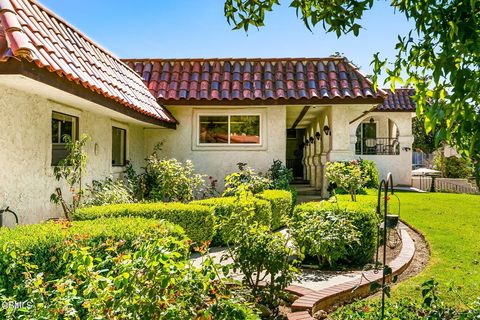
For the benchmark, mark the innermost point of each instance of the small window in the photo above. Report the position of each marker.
(119, 144)
(62, 125)
(229, 129)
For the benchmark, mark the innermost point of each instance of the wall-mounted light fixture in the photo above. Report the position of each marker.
(326, 130)
(317, 135)
(372, 120)
(406, 149)
(311, 140)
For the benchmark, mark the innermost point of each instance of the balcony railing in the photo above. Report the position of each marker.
(377, 146)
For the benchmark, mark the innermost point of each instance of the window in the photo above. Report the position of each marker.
(119, 146)
(62, 125)
(229, 129)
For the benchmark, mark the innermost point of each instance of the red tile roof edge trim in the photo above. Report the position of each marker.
(19, 46)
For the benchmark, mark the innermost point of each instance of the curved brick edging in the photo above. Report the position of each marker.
(309, 303)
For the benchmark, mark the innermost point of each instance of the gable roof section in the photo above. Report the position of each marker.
(399, 100)
(28, 31)
(255, 81)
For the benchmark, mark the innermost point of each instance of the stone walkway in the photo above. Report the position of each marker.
(319, 290)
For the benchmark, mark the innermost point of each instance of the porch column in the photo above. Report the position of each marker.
(323, 179)
(304, 161)
(313, 166)
(340, 134)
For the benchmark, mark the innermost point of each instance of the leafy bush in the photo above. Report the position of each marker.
(346, 175)
(152, 279)
(453, 167)
(107, 192)
(365, 219)
(230, 210)
(326, 234)
(280, 175)
(247, 178)
(281, 202)
(40, 247)
(262, 255)
(370, 173)
(197, 221)
(170, 180)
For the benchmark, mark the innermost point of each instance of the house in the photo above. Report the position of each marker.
(216, 112)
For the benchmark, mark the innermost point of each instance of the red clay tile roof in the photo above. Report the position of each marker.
(262, 81)
(30, 31)
(400, 100)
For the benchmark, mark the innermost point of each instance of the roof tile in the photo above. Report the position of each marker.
(399, 100)
(36, 34)
(251, 79)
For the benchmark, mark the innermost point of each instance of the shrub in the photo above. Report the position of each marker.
(454, 167)
(107, 192)
(247, 178)
(281, 202)
(370, 173)
(41, 246)
(280, 175)
(229, 211)
(346, 175)
(153, 279)
(325, 234)
(197, 221)
(262, 255)
(364, 217)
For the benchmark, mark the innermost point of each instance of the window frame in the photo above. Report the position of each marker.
(75, 133)
(197, 113)
(124, 147)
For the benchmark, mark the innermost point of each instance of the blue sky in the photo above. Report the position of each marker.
(197, 28)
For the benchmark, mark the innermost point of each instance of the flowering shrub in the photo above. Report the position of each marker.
(346, 175)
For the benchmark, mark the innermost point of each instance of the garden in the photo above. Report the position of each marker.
(125, 247)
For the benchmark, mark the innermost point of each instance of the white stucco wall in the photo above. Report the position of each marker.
(26, 175)
(218, 163)
(399, 165)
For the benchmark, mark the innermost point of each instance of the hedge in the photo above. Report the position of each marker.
(43, 245)
(363, 216)
(197, 221)
(281, 202)
(225, 207)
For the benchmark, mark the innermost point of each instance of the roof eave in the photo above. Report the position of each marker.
(32, 71)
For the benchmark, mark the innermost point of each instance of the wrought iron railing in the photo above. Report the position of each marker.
(377, 146)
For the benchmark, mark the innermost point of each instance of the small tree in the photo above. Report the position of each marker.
(71, 170)
(346, 175)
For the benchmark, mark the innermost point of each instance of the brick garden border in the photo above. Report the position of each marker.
(310, 301)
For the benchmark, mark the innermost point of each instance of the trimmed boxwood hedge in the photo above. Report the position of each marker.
(225, 207)
(281, 202)
(43, 245)
(198, 221)
(363, 216)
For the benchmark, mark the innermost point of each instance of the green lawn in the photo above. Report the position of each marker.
(451, 225)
